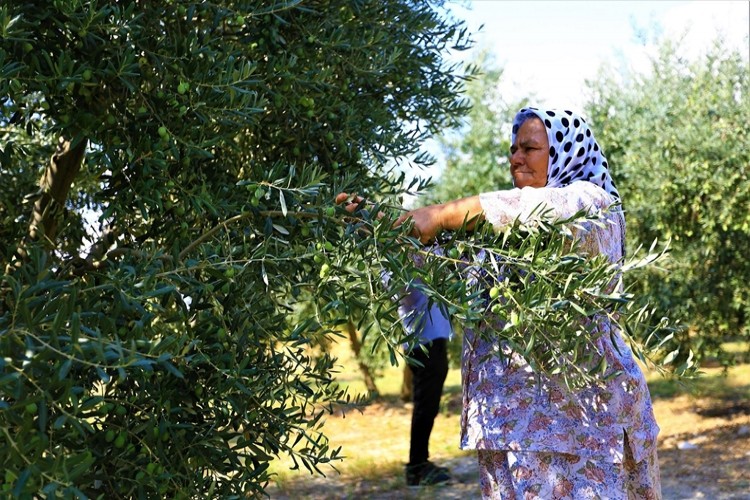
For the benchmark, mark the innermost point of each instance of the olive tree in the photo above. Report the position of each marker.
(679, 134)
(168, 170)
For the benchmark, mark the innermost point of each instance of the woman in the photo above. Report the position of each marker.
(539, 440)
(534, 437)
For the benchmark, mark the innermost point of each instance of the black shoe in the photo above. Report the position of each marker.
(426, 474)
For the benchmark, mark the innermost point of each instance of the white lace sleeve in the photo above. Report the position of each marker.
(502, 208)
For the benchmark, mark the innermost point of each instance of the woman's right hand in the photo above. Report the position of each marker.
(426, 219)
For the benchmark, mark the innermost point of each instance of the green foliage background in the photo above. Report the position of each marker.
(477, 152)
(678, 138)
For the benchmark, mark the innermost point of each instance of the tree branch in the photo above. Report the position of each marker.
(54, 188)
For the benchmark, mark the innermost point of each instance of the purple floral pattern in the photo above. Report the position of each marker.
(507, 407)
(562, 476)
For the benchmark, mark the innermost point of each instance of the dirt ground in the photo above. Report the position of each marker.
(704, 453)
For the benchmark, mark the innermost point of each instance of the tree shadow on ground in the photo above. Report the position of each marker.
(711, 464)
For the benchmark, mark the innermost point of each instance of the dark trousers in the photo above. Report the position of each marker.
(427, 387)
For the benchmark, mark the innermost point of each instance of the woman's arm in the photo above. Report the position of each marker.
(430, 220)
(500, 208)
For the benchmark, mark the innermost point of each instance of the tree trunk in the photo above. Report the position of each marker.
(356, 347)
(53, 188)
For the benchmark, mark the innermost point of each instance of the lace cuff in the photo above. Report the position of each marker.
(502, 208)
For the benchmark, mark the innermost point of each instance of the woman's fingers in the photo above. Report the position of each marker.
(341, 198)
(354, 204)
(401, 220)
(350, 206)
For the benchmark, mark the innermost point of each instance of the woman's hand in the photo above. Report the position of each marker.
(427, 222)
(354, 204)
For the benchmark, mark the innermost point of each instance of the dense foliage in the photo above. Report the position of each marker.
(168, 169)
(678, 137)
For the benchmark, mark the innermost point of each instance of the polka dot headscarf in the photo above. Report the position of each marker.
(574, 154)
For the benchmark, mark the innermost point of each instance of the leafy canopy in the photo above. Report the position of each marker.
(168, 170)
(679, 136)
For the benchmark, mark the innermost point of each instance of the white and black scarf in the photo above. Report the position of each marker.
(574, 154)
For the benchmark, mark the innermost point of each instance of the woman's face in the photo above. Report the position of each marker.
(529, 155)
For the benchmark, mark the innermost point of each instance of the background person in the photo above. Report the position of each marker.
(432, 331)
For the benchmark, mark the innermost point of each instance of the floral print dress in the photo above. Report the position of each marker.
(537, 439)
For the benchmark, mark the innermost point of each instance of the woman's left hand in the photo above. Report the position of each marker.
(354, 204)
(427, 222)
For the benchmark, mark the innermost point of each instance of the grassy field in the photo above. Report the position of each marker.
(375, 442)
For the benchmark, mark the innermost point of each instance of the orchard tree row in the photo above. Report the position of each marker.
(678, 137)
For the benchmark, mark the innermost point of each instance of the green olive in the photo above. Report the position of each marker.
(515, 320)
(120, 440)
(325, 270)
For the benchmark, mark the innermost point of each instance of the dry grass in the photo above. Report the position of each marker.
(375, 442)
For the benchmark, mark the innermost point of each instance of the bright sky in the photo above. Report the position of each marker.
(551, 47)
